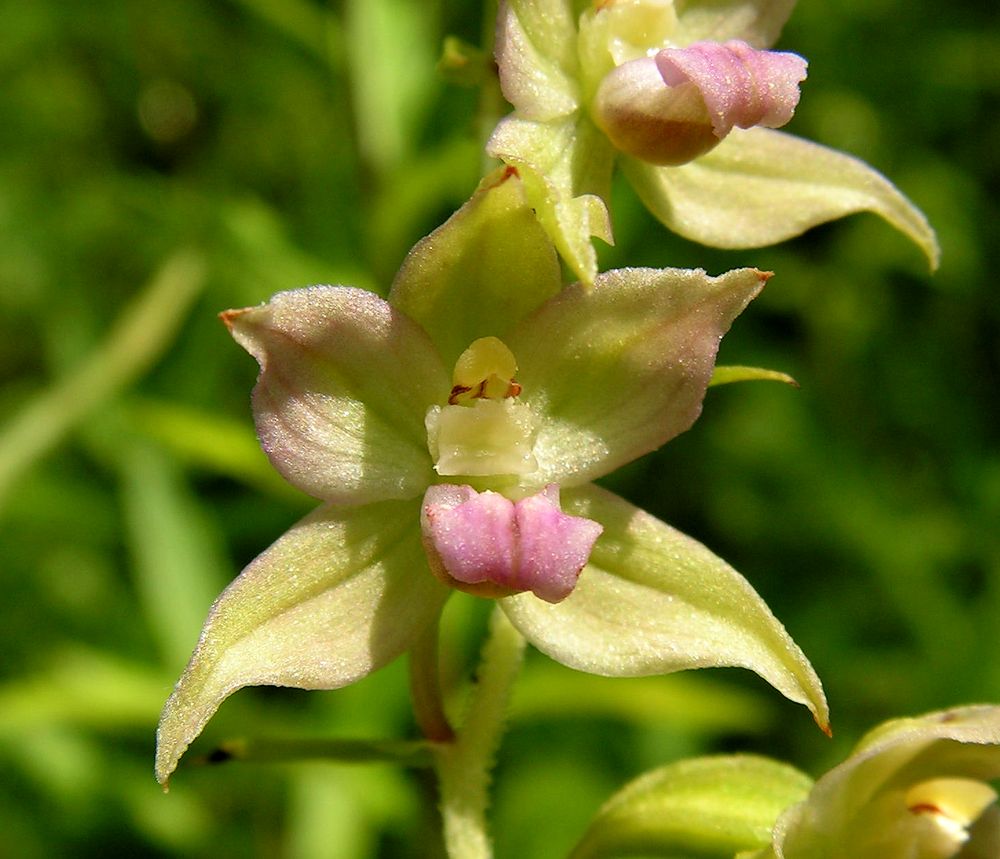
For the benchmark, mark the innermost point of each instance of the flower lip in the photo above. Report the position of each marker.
(740, 85)
(487, 545)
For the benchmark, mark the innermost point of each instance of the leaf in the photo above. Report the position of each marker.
(485, 268)
(760, 186)
(653, 601)
(344, 387)
(616, 371)
(342, 593)
(703, 807)
(724, 375)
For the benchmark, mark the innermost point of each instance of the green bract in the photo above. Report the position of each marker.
(350, 403)
(913, 789)
(755, 187)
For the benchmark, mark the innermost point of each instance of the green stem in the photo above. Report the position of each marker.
(425, 688)
(491, 105)
(270, 750)
(464, 766)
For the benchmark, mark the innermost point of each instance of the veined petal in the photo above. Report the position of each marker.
(476, 275)
(536, 57)
(342, 593)
(653, 601)
(344, 386)
(616, 371)
(757, 22)
(759, 187)
(741, 86)
(566, 169)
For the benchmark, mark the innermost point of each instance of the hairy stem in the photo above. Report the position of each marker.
(464, 766)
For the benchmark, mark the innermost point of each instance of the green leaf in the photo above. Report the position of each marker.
(760, 186)
(485, 268)
(653, 601)
(704, 807)
(724, 375)
(342, 593)
(344, 387)
(757, 22)
(615, 371)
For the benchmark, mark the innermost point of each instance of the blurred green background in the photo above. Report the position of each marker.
(160, 162)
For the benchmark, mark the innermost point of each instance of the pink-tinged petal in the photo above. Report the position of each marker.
(616, 371)
(489, 545)
(740, 85)
(344, 386)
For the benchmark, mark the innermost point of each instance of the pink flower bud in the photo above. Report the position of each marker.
(485, 544)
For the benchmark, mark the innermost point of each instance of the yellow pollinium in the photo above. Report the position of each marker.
(484, 371)
(483, 431)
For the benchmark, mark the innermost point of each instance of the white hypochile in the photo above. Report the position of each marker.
(483, 430)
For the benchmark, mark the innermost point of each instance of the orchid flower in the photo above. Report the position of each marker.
(913, 789)
(685, 96)
(452, 433)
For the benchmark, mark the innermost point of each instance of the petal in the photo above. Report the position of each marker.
(566, 169)
(758, 22)
(501, 547)
(740, 86)
(616, 371)
(759, 187)
(652, 601)
(712, 806)
(536, 57)
(342, 593)
(344, 386)
(476, 275)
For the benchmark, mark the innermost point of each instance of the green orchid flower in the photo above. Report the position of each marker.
(684, 96)
(452, 433)
(913, 789)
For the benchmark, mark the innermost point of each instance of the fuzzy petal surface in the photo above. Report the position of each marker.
(485, 268)
(615, 371)
(342, 593)
(536, 57)
(344, 386)
(653, 601)
(757, 22)
(759, 187)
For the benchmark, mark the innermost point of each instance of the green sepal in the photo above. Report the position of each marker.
(652, 601)
(699, 808)
(759, 187)
(757, 22)
(486, 267)
(343, 592)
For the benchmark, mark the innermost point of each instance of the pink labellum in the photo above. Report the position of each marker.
(740, 85)
(498, 547)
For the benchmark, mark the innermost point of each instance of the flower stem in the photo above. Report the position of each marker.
(464, 766)
(425, 688)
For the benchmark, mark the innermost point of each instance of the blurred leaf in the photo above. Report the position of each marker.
(138, 338)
